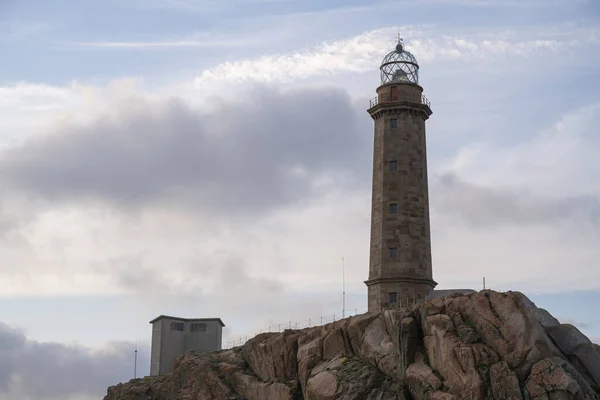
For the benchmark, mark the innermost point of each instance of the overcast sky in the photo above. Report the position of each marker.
(213, 159)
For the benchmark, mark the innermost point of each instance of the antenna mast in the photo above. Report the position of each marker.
(343, 289)
(135, 361)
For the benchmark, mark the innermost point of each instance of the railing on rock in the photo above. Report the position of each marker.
(307, 323)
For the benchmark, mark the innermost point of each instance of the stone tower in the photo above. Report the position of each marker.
(400, 261)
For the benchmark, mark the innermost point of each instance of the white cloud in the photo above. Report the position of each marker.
(156, 44)
(563, 154)
(365, 51)
(506, 3)
(55, 107)
(525, 212)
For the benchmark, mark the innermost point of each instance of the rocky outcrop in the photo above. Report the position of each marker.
(483, 345)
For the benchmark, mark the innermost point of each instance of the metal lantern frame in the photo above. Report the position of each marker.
(399, 66)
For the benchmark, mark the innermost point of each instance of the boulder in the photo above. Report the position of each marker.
(579, 350)
(421, 380)
(504, 382)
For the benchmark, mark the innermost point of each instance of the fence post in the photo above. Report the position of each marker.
(279, 328)
(290, 324)
(296, 325)
(309, 322)
(321, 320)
(333, 317)
(356, 311)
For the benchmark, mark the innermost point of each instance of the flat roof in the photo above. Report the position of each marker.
(187, 319)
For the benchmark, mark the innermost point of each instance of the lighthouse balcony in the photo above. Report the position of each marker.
(384, 98)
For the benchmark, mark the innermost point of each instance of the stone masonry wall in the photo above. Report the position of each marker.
(408, 230)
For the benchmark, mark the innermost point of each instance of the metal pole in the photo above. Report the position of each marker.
(343, 289)
(484, 283)
(135, 364)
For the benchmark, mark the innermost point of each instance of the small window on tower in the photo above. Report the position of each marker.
(393, 123)
(393, 252)
(394, 208)
(393, 165)
(393, 297)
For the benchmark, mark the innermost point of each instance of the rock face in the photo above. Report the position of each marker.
(483, 345)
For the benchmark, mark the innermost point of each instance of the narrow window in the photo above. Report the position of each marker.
(198, 327)
(393, 297)
(177, 326)
(394, 93)
(393, 123)
(393, 252)
(393, 165)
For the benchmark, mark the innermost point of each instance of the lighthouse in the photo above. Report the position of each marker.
(400, 268)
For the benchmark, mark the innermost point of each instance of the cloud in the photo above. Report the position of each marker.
(154, 45)
(202, 5)
(151, 169)
(523, 212)
(505, 4)
(268, 152)
(559, 155)
(51, 371)
(364, 52)
(493, 206)
(202, 39)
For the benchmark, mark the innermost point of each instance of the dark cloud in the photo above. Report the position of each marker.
(489, 206)
(34, 370)
(236, 158)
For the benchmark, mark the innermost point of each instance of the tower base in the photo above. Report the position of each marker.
(391, 293)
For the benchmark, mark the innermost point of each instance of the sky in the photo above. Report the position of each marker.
(208, 158)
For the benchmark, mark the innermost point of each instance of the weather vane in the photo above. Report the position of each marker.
(399, 38)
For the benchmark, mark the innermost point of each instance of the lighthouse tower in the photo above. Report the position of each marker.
(400, 260)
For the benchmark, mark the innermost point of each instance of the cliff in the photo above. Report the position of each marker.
(485, 345)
